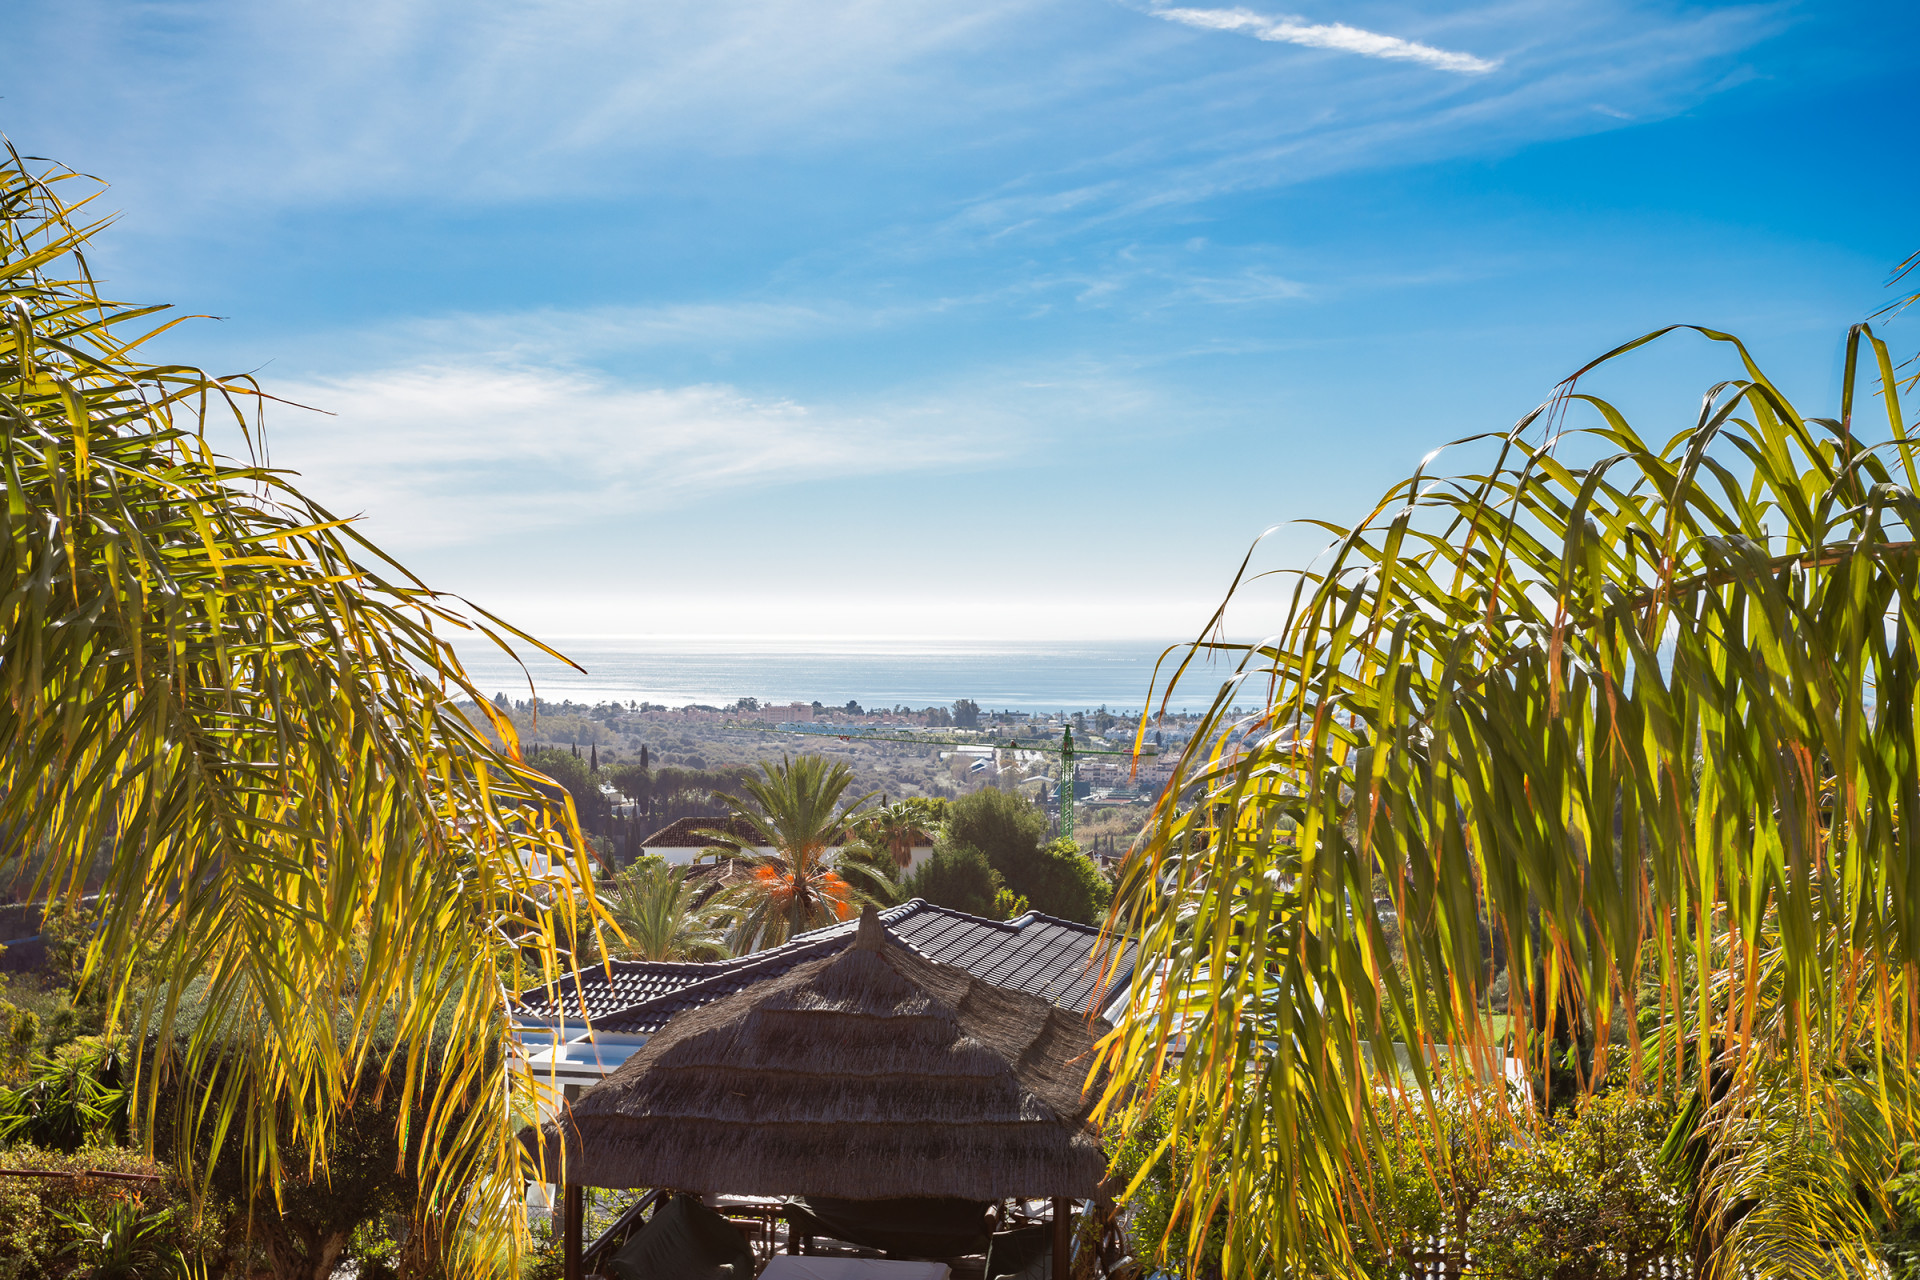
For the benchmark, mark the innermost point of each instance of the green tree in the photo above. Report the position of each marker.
(1625, 703)
(1061, 881)
(966, 713)
(794, 809)
(654, 908)
(220, 686)
(632, 780)
(1001, 824)
(959, 878)
(1055, 878)
(574, 778)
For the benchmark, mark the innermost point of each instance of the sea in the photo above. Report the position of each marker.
(678, 671)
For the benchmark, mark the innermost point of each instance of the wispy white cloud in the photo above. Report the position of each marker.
(1589, 67)
(445, 454)
(475, 102)
(1326, 35)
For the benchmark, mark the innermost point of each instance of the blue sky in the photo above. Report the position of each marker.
(996, 319)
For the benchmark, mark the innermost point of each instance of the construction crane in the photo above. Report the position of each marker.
(1065, 749)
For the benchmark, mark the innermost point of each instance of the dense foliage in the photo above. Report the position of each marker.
(1153, 1162)
(1011, 834)
(957, 878)
(219, 697)
(1584, 1196)
(78, 1094)
(320, 1216)
(1635, 703)
(138, 1220)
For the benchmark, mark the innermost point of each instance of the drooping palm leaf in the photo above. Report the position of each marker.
(1630, 704)
(217, 686)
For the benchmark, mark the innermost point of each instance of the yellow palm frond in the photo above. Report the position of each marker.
(246, 714)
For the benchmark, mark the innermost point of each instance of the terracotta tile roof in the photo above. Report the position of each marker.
(1034, 953)
(681, 835)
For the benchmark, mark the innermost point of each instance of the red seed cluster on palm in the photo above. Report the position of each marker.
(787, 890)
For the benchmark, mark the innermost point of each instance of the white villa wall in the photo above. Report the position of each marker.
(682, 856)
(677, 856)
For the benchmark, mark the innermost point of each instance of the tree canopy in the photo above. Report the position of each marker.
(1008, 830)
(958, 878)
(251, 710)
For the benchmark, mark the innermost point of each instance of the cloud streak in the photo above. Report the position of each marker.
(453, 453)
(1327, 35)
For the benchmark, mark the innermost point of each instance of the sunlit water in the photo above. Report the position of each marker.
(677, 671)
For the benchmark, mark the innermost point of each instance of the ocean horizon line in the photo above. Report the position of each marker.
(706, 670)
(838, 641)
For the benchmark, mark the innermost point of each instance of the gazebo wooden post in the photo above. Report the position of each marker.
(574, 1228)
(1062, 1238)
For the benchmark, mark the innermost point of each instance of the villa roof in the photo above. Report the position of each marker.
(684, 834)
(867, 1071)
(1037, 954)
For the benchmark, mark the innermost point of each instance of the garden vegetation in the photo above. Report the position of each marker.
(1597, 754)
(220, 700)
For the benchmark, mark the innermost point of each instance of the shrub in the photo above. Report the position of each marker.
(73, 1097)
(957, 877)
(1587, 1198)
(1424, 1180)
(1154, 1235)
(70, 1224)
(1591, 1200)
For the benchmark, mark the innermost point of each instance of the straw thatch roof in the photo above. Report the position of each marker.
(868, 1073)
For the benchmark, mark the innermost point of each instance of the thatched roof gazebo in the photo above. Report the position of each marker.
(870, 1073)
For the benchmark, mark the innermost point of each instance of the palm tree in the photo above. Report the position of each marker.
(654, 907)
(1642, 709)
(897, 828)
(252, 712)
(795, 811)
(872, 869)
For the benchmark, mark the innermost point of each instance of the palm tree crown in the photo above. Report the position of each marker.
(795, 807)
(897, 828)
(657, 912)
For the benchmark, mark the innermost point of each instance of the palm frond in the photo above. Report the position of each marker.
(1617, 705)
(218, 684)
(653, 907)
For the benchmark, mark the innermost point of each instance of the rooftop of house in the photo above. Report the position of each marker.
(685, 834)
(1039, 954)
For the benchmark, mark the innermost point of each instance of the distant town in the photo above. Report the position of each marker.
(691, 750)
